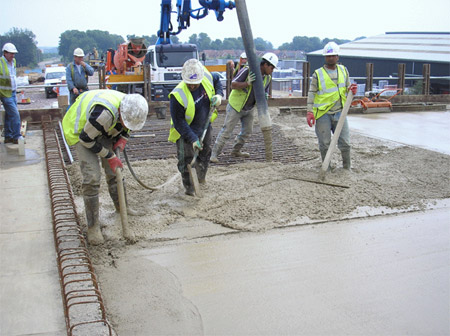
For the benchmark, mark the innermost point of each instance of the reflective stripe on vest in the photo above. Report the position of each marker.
(5, 78)
(184, 97)
(238, 97)
(77, 115)
(328, 92)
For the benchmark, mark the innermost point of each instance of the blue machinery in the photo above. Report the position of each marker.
(185, 13)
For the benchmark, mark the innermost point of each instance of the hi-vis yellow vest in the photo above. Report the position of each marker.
(77, 115)
(184, 97)
(238, 98)
(5, 78)
(328, 93)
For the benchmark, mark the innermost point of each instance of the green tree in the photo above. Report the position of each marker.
(203, 41)
(25, 42)
(262, 45)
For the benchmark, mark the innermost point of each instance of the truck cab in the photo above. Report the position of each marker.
(52, 77)
(166, 61)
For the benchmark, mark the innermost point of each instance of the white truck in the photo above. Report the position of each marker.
(166, 61)
(52, 77)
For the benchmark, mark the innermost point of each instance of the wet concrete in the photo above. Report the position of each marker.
(381, 276)
(429, 130)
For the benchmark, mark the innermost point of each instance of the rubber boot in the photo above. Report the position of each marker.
(217, 149)
(323, 154)
(91, 208)
(236, 152)
(346, 160)
(114, 193)
(189, 188)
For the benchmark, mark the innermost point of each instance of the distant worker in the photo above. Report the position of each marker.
(77, 74)
(8, 97)
(239, 65)
(98, 123)
(136, 47)
(326, 99)
(241, 105)
(190, 103)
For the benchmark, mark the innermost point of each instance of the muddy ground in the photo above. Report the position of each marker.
(386, 177)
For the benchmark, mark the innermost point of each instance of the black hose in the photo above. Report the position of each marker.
(258, 86)
(133, 173)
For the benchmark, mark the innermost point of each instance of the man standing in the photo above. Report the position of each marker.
(190, 103)
(326, 98)
(8, 94)
(77, 74)
(241, 105)
(239, 65)
(98, 123)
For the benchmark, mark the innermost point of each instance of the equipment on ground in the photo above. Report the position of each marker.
(334, 139)
(374, 103)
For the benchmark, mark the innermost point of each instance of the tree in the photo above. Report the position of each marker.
(101, 40)
(262, 45)
(25, 42)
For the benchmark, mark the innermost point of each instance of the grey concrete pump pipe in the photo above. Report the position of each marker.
(258, 87)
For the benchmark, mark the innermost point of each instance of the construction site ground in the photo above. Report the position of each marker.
(265, 251)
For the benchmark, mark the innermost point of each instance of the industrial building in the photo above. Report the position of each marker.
(387, 51)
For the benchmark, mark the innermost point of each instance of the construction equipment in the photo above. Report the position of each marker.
(374, 103)
(334, 139)
(126, 231)
(191, 166)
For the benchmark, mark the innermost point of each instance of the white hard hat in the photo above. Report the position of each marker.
(192, 72)
(330, 49)
(271, 58)
(9, 47)
(243, 55)
(134, 110)
(63, 78)
(78, 52)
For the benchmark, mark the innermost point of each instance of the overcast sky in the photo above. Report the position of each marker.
(276, 21)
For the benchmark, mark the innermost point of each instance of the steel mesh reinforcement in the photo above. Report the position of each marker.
(83, 304)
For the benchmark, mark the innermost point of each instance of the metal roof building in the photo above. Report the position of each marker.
(386, 51)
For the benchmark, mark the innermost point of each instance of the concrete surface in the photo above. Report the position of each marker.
(30, 300)
(386, 275)
(429, 130)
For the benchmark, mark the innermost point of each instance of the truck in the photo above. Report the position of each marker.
(164, 58)
(52, 76)
(166, 62)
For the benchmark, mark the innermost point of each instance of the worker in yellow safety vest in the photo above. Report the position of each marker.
(241, 107)
(98, 123)
(8, 98)
(326, 98)
(190, 103)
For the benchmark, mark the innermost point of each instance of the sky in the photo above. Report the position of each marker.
(276, 21)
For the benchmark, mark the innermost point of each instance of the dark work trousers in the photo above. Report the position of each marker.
(185, 154)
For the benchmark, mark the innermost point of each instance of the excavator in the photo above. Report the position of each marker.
(165, 58)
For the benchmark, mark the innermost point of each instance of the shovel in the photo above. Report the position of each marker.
(127, 233)
(191, 168)
(337, 132)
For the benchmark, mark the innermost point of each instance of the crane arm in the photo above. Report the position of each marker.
(185, 12)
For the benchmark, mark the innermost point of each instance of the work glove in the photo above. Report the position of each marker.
(114, 163)
(197, 145)
(251, 77)
(353, 88)
(310, 119)
(216, 100)
(120, 143)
